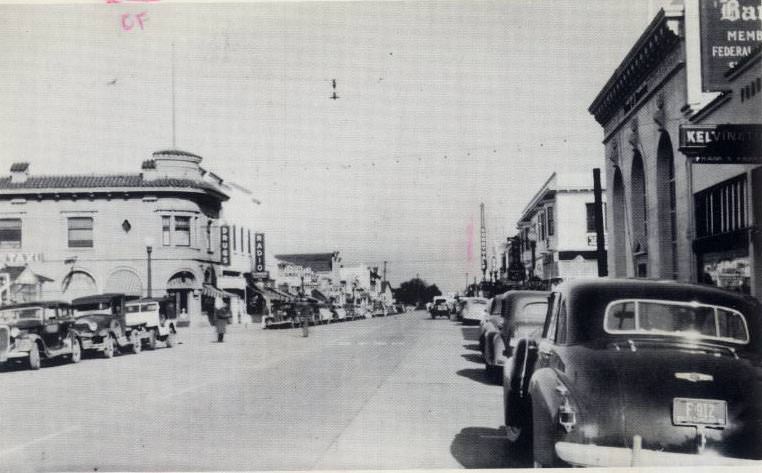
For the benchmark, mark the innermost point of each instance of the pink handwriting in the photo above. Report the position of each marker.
(129, 21)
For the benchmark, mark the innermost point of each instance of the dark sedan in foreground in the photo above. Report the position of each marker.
(641, 373)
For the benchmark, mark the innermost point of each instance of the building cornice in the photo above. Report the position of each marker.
(656, 42)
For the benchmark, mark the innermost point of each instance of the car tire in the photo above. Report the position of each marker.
(171, 339)
(34, 360)
(108, 347)
(76, 350)
(152, 340)
(137, 342)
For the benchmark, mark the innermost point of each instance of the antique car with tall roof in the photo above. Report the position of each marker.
(641, 373)
(513, 315)
(35, 331)
(100, 321)
(154, 319)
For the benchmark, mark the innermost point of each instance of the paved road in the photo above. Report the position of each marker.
(398, 392)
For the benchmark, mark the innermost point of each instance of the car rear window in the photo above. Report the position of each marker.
(533, 313)
(672, 318)
(480, 302)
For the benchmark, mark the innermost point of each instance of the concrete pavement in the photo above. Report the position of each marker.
(397, 392)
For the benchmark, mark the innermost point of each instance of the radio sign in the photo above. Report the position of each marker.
(259, 252)
(730, 31)
(722, 144)
(225, 245)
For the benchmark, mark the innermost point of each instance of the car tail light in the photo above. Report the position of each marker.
(567, 415)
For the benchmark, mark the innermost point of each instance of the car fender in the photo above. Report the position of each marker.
(544, 402)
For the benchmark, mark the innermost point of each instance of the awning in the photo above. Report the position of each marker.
(272, 294)
(211, 291)
(319, 295)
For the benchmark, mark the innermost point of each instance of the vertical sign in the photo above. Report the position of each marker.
(225, 245)
(259, 253)
(730, 31)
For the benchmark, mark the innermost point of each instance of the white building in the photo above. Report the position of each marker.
(557, 229)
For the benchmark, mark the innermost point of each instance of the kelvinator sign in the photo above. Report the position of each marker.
(730, 31)
(722, 144)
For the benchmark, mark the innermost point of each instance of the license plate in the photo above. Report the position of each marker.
(687, 411)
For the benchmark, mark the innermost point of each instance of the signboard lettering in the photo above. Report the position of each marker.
(225, 245)
(21, 258)
(259, 252)
(730, 31)
(727, 144)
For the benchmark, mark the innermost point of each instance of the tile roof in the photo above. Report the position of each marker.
(101, 182)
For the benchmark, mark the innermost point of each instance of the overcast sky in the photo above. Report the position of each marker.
(443, 105)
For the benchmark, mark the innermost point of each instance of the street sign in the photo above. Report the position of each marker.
(225, 245)
(259, 252)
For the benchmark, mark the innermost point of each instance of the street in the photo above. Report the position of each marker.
(398, 392)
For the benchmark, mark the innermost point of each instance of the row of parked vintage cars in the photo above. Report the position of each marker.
(615, 373)
(291, 313)
(32, 332)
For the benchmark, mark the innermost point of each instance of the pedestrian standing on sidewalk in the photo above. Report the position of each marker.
(222, 318)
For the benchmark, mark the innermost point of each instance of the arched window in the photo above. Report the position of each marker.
(665, 186)
(618, 215)
(639, 216)
(78, 284)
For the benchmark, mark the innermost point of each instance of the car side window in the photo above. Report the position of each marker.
(549, 332)
(561, 328)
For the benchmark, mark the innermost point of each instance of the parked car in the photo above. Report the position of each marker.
(100, 322)
(325, 314)
(514, 315)
(339, 313)
(637, 372)
(439, 307)
(155, 316)
(475, 310)
(36, 331)
(379, 310)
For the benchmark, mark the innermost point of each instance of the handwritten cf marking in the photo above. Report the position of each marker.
(129, 20)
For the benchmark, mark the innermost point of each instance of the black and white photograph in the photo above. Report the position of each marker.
(368, 235)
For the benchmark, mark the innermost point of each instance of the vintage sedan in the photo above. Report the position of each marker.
(639, 372)
(475, 310)
(34, 331)
(100, 321)
(513, 315)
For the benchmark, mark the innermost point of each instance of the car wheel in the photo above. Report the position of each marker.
(171, 339)
(108, 347)
(76, 350)
(35, 361)
(137, 342)
(152, 340)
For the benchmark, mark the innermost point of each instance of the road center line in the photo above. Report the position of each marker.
(45, 438)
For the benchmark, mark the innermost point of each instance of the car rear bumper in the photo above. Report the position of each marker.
(577, 454)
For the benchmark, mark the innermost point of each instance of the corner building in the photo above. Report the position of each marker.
(672, 216)
(93, 233)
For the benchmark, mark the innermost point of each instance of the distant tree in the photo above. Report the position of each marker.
(416, 291)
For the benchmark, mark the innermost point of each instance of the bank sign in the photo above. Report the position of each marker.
(722, 144)
(730, 30)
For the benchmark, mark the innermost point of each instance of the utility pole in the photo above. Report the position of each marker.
(484, 243)
(599, 236)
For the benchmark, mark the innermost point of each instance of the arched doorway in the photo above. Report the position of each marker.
(180, 288)
(666, 197)
(125, 281)
(618, 215)
(78, 283)
(639, 217)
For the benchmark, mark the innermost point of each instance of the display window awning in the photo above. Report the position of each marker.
(211, 291)
(319, 296)
(272, 294)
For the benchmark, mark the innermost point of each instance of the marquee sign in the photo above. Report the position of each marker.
(730, 31)
(259, 257)
(722, 144)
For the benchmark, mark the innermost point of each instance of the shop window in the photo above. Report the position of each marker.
(166, 230)
(182, 231)
(551, 223)
(721, 208)
(242, 247)
(10, 233)
(209, 236)
(234, 237)
(80, 232)
(248, 240)
(541, 225)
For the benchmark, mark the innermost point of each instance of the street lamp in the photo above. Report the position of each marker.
(149, 249)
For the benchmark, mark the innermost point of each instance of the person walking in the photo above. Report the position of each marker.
(222, 318)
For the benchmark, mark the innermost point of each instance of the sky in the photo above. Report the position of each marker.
(442, 106)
